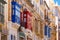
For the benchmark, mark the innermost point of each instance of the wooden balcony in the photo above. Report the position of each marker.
(3, 2)
(29, 3)
(1, 18)
(1, 22)
(0, 27)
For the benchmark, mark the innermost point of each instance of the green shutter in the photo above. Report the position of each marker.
(2, 18)
(0, 29)
(21, 34)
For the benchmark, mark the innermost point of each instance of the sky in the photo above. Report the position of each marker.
(58, 1)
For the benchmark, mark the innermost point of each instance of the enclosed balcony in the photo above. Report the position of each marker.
(2, 1)
(29, 3)
(2, 23)
(1, 19)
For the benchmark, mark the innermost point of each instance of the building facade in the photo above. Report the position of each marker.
(28, 20)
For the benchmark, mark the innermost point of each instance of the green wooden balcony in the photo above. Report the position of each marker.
(1, 18)
(0, 27)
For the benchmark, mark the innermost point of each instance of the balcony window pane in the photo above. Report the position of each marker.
(24, 19)
(17, 13)
(41, 1)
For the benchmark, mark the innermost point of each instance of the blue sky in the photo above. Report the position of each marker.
(58, 1)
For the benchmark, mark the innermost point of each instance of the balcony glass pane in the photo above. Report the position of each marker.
(41, 1)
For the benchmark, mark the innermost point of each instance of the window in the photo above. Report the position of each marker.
(41, 2)
(41, 13)
(49, 29)
(12, 37)
(45, 30)
(24, 19)
(55, 11)
(36, 6)
(17, 13)
(17, 8)
(36, 26)
(12, 9)
(34, 3)
(17, 20)
(38, 9)
(24, 15)
(29, 18)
